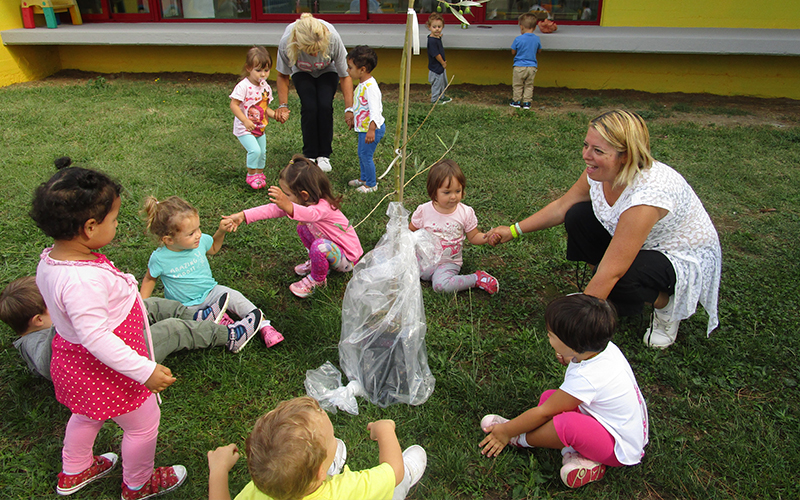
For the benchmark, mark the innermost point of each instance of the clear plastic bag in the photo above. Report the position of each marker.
(383, 320)
(325, 385)
(428, 247)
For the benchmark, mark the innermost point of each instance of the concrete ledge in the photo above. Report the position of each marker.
(720, 41)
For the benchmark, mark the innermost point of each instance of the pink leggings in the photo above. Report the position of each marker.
(140, 433)
(586, 435)
(324, 254)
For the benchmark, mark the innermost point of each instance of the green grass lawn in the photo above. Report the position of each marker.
(724, 411)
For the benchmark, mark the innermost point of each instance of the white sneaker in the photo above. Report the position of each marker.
(415, 460)
(324, 164)
(662, 332)
(489, 420)
(338, 459)
(578, 470)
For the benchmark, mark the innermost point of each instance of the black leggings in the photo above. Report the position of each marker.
(316, 111)
(649, 274)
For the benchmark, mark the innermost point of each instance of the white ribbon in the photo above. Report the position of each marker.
(414, 31)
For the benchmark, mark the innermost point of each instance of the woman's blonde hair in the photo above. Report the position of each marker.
(164, 217)
(309, 35)
(627, 133)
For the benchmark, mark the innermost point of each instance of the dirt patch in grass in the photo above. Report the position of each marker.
(704, 109)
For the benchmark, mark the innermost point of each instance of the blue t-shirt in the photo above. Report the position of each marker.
(435, 48)
(186, 274)
(526, 45)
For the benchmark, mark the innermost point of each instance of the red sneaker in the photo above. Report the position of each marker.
(487, 282)
(101, 465)
(579, 471)
(163, 480)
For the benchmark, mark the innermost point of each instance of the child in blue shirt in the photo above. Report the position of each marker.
(183, 267)
(524, 50)
(437, 74)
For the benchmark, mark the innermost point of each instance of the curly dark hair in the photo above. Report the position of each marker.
(363, 57)
(62, 205)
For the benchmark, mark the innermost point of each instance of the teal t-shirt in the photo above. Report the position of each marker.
(186, 274)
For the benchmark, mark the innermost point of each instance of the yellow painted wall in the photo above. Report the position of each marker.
(21, 63)
(764, 76)
(769, 76)
(772, 14)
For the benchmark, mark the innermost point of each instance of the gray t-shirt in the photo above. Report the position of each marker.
(36, 349)
(335, 61)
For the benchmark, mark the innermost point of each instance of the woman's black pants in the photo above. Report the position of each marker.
(650, 273)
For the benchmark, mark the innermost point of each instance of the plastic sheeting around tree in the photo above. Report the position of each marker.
(383, 320)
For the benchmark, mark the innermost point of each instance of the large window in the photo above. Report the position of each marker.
(367, 11)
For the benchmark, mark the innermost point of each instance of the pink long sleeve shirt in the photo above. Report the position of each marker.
(87, 300)
(323, 221)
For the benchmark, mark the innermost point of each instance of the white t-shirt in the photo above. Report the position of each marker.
(367, 105)
(249, 95)
(450, 228)
(608, 391)
(686, 235)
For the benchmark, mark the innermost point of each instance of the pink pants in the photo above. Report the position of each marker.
(323, 253)
(585, 434)
(140, 433)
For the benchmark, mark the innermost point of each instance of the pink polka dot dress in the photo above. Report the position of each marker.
(82, 382)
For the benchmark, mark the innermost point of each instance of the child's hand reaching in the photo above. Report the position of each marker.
(232, 222)
(160, 379)
(379, 427)
(494, 443)
(223, 458)
(248, 124)
(279, 198)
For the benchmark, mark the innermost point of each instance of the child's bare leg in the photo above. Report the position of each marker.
(544, 437)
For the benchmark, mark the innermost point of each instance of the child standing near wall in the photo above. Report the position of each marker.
(524, 50)
(367, 113)
(437, 65)
(253, 91)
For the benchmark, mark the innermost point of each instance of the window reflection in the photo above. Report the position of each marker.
(565, 10)
(205, 9)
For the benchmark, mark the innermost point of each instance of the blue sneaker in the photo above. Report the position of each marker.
(241, 332)
(215, 311)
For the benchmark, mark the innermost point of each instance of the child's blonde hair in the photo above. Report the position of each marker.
(309, 35)
(20, 301)
(285, 449)
(435, 16)
(440, 172)
(257, 58)
(302, 174)
(164, 217)
(528, 21)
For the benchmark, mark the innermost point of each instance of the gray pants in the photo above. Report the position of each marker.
(173, 328)
(438, 84)
(237, 303)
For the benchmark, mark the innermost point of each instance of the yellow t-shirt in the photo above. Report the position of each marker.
(376, 483)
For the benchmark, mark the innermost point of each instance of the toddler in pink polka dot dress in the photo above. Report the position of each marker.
(102, 366)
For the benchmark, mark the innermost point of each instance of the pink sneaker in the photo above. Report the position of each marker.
(578, 471)
(101, 465)
(487, 282)
(303, 269)
(163, 480)
(255, 181)
(226, 320)
(488, 420)
(305, 286)
(271, 336)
